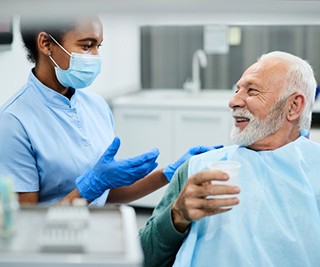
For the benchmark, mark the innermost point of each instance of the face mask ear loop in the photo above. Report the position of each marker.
(59, 45)
(55, 63)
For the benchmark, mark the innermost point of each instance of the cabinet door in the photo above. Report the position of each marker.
(200, 127)
(141, 129)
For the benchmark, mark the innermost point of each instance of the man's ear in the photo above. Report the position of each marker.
(44, 43)
(295, 106)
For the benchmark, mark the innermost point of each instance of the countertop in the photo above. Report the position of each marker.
(175, 98)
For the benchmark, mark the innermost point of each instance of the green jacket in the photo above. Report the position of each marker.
(159, 239)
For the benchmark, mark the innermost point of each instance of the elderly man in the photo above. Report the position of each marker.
(275, 219)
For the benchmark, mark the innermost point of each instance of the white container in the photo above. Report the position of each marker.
(229, 167)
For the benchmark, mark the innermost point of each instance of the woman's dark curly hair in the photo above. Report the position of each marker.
(30, 28)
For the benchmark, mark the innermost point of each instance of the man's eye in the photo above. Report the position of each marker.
(236, 89)
(252, 92)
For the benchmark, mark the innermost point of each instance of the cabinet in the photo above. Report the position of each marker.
(172, 124)
(141, 129)
(205, 127)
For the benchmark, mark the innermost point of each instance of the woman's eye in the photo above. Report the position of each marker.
(86, 46)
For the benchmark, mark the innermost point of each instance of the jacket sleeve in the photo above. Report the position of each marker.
(17, 156)
(159, 239)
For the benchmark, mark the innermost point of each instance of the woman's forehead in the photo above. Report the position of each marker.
(86, 28)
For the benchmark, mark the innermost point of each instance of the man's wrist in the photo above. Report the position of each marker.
(180, 223)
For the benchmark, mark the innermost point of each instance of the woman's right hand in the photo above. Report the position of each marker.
(111, 173)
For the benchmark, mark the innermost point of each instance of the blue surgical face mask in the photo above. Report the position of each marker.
(82, 71)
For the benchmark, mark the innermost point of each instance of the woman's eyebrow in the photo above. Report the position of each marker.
(90, 39)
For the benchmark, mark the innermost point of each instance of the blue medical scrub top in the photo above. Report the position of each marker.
(47, 140)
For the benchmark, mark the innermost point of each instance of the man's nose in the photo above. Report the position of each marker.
(238, 100)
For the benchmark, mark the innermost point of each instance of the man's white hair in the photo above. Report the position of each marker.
(300, 78)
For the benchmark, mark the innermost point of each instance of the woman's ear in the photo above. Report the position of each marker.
(295, 106)
(44, 43)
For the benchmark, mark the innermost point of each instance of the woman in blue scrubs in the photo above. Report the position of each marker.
(57, 141)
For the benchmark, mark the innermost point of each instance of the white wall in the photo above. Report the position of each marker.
(121, 56)
(13, 66)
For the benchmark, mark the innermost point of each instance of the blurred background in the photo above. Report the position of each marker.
(149, 44)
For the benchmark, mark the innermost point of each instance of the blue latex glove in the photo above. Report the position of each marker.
(171, 168)
(305, 133)
(317, 92)
(110, 173)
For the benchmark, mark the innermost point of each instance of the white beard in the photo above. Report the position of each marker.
(257, 129)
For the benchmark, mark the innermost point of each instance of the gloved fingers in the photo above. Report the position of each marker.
(134, 174)
(143, 170)
(198, 150)
(151, 168)
(215, 147)
(136, 165)
(112, 150)
(201, 149)
(141, 159)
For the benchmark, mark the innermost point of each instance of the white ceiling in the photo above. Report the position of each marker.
(202, 11)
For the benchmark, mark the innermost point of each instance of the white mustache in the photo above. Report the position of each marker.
(241, 112)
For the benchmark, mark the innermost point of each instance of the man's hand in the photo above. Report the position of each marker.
(193, 203)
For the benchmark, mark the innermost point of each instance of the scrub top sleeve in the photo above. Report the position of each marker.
(17, 160)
